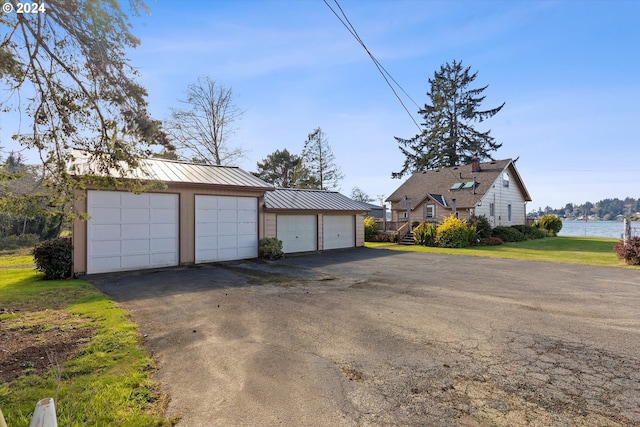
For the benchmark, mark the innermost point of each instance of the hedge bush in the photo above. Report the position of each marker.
(508, 234)
(483, 227)
(630, 251)
(54, 258)
(17, 241)
(530, 231)
(455, 233)
(550, 223)
(370, 228)
(270, 248)
(424, 234)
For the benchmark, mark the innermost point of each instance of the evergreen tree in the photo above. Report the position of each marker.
(318, 158)
(448, 138)
(282, 169)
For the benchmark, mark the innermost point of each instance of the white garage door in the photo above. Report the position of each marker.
(298, 233)
(338, 231)
(226, 228)
(129, 231)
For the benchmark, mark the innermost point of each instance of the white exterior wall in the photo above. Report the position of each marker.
(502, 196)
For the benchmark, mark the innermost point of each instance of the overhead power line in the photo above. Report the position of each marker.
(385, 74)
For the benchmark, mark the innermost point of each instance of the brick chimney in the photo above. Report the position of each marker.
(475, 164)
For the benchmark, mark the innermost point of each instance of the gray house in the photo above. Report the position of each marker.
(493, 189)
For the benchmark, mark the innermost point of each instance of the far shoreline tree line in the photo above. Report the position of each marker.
(605, 210)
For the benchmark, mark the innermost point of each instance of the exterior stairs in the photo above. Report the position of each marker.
(407, 239)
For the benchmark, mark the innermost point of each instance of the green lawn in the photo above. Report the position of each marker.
(568, 250)
(108, 380)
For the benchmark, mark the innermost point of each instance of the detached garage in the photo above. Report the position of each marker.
(313, 220)
(205, 214)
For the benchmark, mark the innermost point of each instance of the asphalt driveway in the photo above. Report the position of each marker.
(373, 337)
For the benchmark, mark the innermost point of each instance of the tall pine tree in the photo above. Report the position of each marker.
(319, 160)
(449, 138)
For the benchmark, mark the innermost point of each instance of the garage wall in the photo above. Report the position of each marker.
(186, 218)
(269, 222)
(360, 230)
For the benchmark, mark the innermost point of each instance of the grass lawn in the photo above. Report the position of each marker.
(567, 250)
(72, 343)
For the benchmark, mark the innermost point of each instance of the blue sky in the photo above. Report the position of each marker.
(568, 71)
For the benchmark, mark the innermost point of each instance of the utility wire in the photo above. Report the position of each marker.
(385, 74)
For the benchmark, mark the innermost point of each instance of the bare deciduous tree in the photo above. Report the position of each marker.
(202, 130)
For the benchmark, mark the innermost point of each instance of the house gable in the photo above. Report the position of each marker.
(461, 188)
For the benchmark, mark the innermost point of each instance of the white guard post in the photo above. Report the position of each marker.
(45, 414)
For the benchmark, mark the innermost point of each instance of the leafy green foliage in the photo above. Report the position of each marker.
(550, 223)
(448, 138)
(370, 228)
(424, 234)
(483, 226)
(455, 233)
(270, 248)
(508, 234)
(16, 241)
(67, 75)
(530, 232)
(54, 258)
(629, 251)
(281, 169)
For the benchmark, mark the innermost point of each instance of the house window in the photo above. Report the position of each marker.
(505, 179)
(509, 213)
(429, 211)
(492, 209)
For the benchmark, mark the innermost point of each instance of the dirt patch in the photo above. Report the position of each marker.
(34, 342)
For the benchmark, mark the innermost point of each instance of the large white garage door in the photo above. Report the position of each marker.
(298, 233)
(338, 231)
(226, 228)
(129, 231)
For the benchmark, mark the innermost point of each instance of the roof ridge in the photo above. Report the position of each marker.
(307, 189)
(185, 162)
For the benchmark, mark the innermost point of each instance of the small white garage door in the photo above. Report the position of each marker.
(226, 228)
(338, 231)
(298, 233)
(129, 231)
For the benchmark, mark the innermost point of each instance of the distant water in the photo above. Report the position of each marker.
(597, 229)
